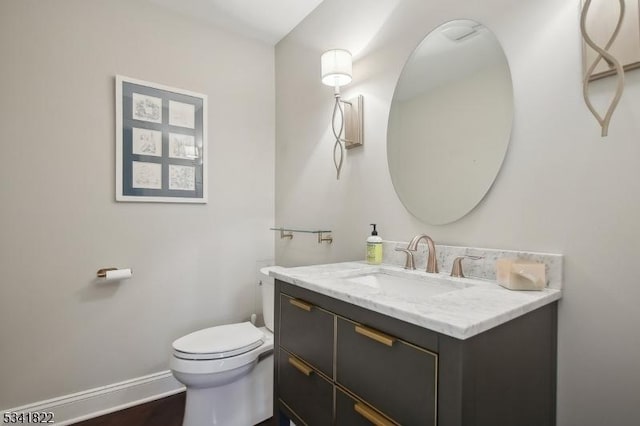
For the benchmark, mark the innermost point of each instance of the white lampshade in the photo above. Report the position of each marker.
(336, 67)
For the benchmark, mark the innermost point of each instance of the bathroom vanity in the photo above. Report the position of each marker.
(359, 345)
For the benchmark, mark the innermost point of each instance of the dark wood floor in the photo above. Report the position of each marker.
(167, 411)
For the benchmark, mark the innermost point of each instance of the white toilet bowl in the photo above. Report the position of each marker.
(228, 372)
(225, 385)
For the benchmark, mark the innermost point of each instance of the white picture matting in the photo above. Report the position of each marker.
(147, 108)
(147, 142)
(147, 175)
(182, 115)
(182, 178)
(182, 146)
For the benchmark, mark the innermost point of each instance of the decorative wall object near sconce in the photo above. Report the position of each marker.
(611, 32)
(161, 143)
(336, 69)
(600, 20)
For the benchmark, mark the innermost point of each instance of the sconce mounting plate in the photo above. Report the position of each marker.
(353, 122)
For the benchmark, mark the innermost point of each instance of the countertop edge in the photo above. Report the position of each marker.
(461, 332)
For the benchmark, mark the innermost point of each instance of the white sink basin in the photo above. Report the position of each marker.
(395, 283)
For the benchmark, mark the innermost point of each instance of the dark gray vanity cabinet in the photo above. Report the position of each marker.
(339, 364)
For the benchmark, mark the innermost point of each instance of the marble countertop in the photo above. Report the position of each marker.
(469, 307)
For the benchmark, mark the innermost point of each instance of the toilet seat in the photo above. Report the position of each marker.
(221, 365)
(219, 342)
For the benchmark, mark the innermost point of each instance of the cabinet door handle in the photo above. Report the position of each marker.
(385, 339)
(300, 366)
(300, 304)
(371, 415)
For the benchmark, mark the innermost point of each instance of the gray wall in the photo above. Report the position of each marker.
(194, 265)
(562, 188)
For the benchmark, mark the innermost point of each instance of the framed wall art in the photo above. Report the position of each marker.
(161, 143)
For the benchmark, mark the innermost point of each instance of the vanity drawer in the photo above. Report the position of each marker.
(307, 332)
(353, 412)
(304, 391)
(394, 376)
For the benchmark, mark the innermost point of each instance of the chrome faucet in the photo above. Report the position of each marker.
(432, 263)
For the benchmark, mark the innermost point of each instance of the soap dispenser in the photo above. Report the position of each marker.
(374, 247)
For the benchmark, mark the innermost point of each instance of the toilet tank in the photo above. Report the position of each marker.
(268, 290)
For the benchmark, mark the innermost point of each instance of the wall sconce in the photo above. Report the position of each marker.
(336, 71)
(604, 54)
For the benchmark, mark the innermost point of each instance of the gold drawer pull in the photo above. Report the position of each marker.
(300, 304)
(371, 415)
(385, 339)
(300, 366)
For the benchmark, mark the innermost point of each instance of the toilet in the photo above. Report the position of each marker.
(228, 371)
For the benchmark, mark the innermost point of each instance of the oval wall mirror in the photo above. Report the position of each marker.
(450, 122)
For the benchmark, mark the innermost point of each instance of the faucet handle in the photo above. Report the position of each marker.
(409, 263)
(456, 269)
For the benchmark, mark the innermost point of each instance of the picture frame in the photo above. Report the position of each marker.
(600, 23)
(161, 143)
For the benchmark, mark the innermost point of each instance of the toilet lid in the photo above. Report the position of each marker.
(222, 341)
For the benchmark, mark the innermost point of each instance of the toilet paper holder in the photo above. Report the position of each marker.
(102, 273)
(111, 274)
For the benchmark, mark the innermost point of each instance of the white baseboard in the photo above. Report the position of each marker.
(92, 403)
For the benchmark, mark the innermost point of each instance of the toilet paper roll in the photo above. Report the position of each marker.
(118, 274)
